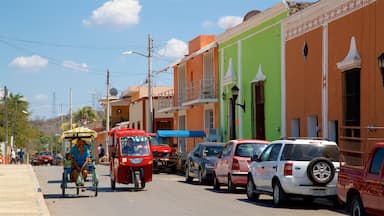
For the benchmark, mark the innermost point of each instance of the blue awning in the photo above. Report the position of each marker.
(180, 133)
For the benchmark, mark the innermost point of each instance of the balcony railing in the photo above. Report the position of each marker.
(201, 91)
(356, 143)
(167, 102)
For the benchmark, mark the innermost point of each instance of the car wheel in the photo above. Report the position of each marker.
(320, 171)
(216, 184)
(188, 178)
(200, 176)
(279, 196)
(231, 186)
(357, 208)
(252, 196)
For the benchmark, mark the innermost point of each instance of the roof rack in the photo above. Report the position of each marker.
(296, 138)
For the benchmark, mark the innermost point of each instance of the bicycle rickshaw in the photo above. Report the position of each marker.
(69, 139)
(131, 157)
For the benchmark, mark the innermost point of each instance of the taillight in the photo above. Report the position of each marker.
(235, 164)
(288, 169)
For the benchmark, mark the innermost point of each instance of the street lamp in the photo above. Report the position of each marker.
(235, 93)
(150, 99)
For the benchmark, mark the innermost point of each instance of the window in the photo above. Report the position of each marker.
(377, 161)
(265, 155)
(351, 101)
(295, 127)
(208, 118)
(275, 152)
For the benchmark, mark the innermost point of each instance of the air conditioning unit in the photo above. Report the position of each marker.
(213, 135)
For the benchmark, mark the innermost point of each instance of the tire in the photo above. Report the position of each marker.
(113, 183)
(251, 195)
(279, 196)
(188, 178)
(321, 171)
(231, 186)
(136, 180)
(216, 184)
(200, 177)
(357, 208)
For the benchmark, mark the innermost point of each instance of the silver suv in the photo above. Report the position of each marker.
(288, 168)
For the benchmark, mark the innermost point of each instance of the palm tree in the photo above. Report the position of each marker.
(85, 115)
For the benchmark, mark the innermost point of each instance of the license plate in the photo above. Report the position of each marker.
(45, 160)
(318, 192)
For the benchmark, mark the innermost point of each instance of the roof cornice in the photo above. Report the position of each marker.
(253, 22)
(319, 14)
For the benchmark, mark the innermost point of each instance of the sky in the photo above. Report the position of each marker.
(49, 48)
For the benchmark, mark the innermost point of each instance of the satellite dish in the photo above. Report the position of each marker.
(113, 91)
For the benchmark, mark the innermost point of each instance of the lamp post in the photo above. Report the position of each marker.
(235, 93)
(150, 99)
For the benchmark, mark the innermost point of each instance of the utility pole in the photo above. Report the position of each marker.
(6, 118)
(70, 108)
(107, 119)
(150, 101)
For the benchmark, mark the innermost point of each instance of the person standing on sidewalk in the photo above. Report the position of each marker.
(21, 156)
(13, 156)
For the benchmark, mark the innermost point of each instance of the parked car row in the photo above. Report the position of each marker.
(284, 169)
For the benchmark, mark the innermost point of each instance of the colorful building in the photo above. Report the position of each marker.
(193, 101)
(250, 60)
(332, 79)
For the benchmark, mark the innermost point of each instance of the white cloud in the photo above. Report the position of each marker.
(76, 66)
(208, 24)
(40, 97)
(174, 49)
(227, 22)
(115, 13)
(33, 62)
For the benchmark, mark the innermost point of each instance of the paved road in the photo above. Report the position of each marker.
(167, 195)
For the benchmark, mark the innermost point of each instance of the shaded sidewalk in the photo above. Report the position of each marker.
(20, 192)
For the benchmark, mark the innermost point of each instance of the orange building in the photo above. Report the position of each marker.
(332, 80)
(194, 99)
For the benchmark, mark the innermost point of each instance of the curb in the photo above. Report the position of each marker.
(43, 210)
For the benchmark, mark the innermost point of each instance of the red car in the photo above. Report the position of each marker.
(44, 157)
(231, 169)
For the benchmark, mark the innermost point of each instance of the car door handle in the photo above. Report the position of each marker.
(274, 167)
(262, 167)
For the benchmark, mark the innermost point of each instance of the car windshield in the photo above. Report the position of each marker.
(212, 150)
(308, 152)
(134, 146)
(45, 153)
(249, 149)
(155, 142)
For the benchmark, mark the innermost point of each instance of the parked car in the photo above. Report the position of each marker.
(231, 168)
(33, 159)
(44, 157)
(164, 154)
(288, 168)
(201, 160)
(362, 188)
(57, 159)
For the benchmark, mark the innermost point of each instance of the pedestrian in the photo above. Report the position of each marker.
(100, 151)
(21, 156)
(13, 156)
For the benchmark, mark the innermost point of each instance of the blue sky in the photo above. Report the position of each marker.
(48, 47)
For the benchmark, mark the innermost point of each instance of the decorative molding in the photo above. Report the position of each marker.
(315, 16)
(260, 76)
(228, 78)
(352, 60)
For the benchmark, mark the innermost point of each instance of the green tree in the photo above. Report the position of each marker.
(85, 115)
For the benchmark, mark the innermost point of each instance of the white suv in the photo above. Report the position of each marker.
(287, 168)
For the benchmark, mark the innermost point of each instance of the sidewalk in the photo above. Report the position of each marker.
(20, 192)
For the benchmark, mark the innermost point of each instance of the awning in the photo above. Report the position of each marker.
(180, 133)
(80, 132)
